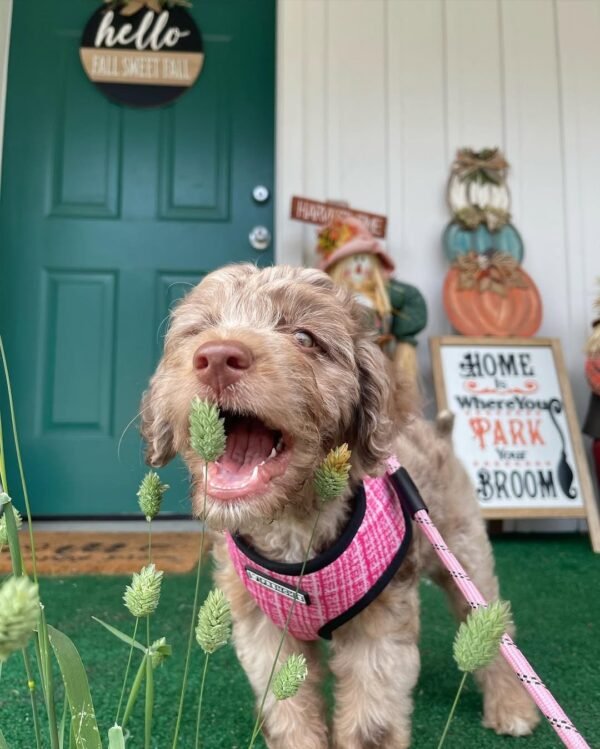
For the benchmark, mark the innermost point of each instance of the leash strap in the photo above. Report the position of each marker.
(541, 695)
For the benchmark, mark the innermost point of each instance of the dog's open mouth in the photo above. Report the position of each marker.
(254, 455)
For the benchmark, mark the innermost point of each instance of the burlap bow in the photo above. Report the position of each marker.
(487, 165)
(497, 272)
(472, 216)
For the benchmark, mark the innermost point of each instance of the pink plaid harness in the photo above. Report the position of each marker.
(344, 579)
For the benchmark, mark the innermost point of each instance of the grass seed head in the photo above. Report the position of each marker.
(143, 595)
(19, 614)
(477, 641)
(214, 622)
(289, 678)
(150, 495)
(3, 529)
(331, 477)
(207, 430)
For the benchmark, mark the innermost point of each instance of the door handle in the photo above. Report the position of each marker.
(260, 238)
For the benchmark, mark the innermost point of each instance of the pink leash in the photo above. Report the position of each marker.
(541, 695)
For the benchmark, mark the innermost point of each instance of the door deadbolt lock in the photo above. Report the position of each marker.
(260, 238)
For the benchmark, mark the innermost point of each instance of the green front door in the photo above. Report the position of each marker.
(107, 215)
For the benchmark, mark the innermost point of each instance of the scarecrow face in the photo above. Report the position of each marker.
(359, 268)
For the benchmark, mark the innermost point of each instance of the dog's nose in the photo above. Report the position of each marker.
(221, 363)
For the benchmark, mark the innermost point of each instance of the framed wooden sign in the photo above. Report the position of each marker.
(515, 428)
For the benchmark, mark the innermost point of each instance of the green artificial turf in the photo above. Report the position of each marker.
(553, 583)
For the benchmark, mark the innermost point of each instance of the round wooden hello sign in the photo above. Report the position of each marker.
(141, 54)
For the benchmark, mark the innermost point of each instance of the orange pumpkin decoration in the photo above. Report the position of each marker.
(592, 372)
(491, 295)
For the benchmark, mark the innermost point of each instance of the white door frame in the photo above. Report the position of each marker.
(5, 25)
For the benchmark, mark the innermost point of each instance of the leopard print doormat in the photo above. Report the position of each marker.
(74, 553)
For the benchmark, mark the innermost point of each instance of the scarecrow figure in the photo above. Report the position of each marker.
(353, 258)
(592, 371)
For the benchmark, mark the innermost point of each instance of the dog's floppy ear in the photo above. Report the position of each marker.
(373, 426)
(156, 429)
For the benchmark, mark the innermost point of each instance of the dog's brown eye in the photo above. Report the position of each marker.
(305, 339)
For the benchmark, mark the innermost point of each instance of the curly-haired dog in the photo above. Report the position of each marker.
(287, 357)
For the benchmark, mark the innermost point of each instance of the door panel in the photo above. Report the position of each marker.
(107, 216)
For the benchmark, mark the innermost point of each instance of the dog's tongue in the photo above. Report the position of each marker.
(243, 469)
(249, 443)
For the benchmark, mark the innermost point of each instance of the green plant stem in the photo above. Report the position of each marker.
(197, 744)
(31, 689)
(135, 688)
(48, 681)
(454, 704)
(149, 542)
(126, 671)
(149, 704)
(19, 459)
(194, 609)
(38, 657)
(259, 717)
(3, 477)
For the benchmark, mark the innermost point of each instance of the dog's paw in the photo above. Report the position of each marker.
(512, 717)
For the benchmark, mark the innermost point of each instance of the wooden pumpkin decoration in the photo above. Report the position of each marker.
(459, 240)
(477, 192)
(491, 295)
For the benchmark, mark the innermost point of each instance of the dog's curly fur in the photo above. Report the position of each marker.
(340, 390)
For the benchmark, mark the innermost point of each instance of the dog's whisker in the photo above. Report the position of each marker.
(130, 423)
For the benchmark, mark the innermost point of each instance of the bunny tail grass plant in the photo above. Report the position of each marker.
(476, 644)
(141, 599)
(150, 497)
(288, 680)
(41, 642)
(212, 632)
(330, 481)
(207, 439)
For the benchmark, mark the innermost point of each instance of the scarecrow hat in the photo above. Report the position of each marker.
(344, 236)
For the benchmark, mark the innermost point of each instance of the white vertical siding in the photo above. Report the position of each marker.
(374, 97)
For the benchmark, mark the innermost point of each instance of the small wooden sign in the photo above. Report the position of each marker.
(516, 430)
(315, 212)
(141, 53)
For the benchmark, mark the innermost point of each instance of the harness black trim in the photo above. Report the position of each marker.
(362, 603)
(317, 563)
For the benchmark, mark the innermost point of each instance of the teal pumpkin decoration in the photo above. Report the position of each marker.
(458, 240)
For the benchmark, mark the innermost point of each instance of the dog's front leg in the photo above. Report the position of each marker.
(299, 722)
(296, 723)
(376, 664)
